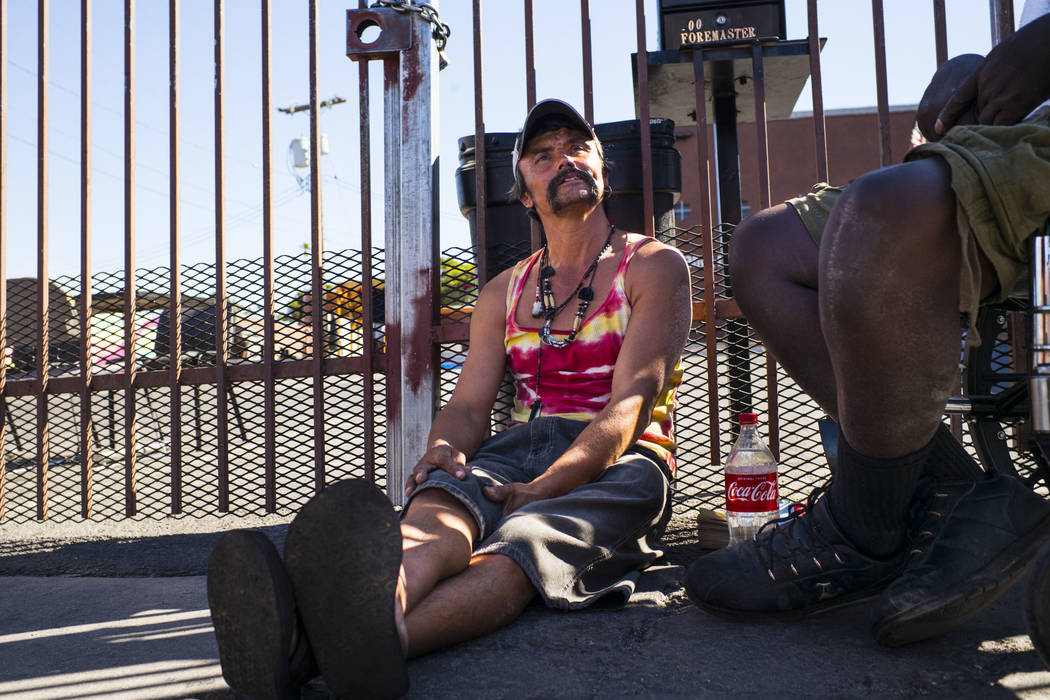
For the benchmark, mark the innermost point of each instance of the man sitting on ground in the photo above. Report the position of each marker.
(567, 504)
(868, 324)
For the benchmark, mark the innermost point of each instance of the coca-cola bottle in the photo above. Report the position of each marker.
(751, 483)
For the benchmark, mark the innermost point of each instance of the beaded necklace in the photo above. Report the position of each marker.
(546, 307)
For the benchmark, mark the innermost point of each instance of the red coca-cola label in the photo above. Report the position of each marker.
(751, 493)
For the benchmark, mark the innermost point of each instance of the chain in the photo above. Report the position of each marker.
(427, 13)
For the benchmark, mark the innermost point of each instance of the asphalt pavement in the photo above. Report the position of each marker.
(119, 609)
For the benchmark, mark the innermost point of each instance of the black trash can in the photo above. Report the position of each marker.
(509, 231)
(622, 142)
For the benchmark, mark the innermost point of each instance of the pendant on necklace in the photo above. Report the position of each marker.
(537, 309)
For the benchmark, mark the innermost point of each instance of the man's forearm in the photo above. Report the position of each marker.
(458, 427)
(600, 444)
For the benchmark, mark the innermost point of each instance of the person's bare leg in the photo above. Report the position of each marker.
(438, 535)
(773, 262)
(889, 281)
(492, 592)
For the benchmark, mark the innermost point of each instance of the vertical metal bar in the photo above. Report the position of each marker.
(480, 164)
(3, 255)
(530, 50)
(643, 115)
(42, 455)
(269, 385)
(1002, 16)
(737, 336)
(588, 67)
(367, 297)
(392, 310)
(817, 90)
(86, 446)
(707, 238)
(940, 32)
(879, 29)
(762, 141)
(535, 237)
(411, 255)
(1039, 382)
(175, 263)
(221, 346)
(317, 258)
(130, 486)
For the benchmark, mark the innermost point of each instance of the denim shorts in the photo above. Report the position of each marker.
(588, 544)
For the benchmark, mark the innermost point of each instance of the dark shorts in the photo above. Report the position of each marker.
(587, 544)
(1001, 179)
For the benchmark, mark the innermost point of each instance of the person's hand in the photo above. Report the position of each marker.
(441, 455)
(513, 495)
(1011, 82)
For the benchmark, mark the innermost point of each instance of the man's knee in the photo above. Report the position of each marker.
(891, 211)
(436, 509)
(771, 246)
(890, 240)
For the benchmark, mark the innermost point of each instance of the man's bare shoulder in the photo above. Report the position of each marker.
(653, 258)
(492, 302)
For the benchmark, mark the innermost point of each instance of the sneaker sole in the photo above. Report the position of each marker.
(937, 617)
(252, 611)
(838, 603)
(343, 552)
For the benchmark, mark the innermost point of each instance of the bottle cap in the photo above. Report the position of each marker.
(748, 419)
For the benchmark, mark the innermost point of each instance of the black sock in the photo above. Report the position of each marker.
(948, 459)
(869, 497)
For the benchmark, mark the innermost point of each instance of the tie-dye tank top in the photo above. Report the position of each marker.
(576, 381)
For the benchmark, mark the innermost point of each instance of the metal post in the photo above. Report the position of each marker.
(1040, 378)
(728, 160)
(411, 101)
(1002, 19)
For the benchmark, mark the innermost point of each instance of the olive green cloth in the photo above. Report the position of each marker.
(1001, 179)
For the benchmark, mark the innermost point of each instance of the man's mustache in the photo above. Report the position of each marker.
(557, 180)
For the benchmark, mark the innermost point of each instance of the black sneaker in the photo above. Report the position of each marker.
(343, 553)
(974, 541)
(253, 612)
(794, 567)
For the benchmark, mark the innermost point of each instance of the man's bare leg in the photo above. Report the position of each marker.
(492, 592)
(438, 535)
(444, 594)
(774, 266)
(889, 280)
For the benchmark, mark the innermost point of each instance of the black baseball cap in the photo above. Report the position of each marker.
(540, 111)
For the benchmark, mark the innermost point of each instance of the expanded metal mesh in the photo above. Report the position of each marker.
(740, 377)
(158, 485)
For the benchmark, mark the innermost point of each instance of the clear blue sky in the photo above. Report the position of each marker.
(847, 64)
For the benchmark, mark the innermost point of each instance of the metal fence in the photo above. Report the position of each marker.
(224, 388)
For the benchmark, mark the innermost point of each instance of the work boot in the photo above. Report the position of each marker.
(971, 542)
(794, 567)
(343, 552)
(263, 653)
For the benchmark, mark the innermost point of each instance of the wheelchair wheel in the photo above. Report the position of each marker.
(996, 383)
(1037, 603)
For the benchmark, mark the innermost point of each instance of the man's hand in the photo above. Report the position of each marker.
(441, 455)
(1011, 82)
(513, 495)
